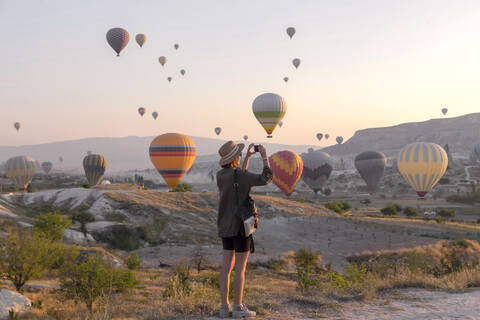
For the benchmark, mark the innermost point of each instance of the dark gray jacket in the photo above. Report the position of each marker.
(228, 223)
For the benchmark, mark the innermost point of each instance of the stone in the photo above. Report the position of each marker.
(10, 300)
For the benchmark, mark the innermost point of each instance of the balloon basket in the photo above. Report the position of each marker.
(269, 136)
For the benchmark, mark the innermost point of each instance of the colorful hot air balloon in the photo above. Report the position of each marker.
(422, 164)
(140, 38)
(285, 79)
(218, 130)
(296, 62)
(20, 170)
(17, 125)
(47, 166)
(61, 158)
(245, 138)
(155, 115)
(118, 38)
(327, 136)
(291, 31)
(162, 60)
(339, 139)
(444, 111)
(287, 169)
(182, 72)
(176, 46)
(94, 166)
(172, 154)
(319, 136)
(317, 167)
(269, 109)
(371, 166)
(142, 111)
(169, 79)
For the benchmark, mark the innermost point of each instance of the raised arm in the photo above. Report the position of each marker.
(246, 160)
(266, 176)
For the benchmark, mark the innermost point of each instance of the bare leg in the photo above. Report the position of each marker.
(239, 281)
(227, 265)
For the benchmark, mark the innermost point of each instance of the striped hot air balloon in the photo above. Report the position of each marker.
(94, 166)
(422, 164)
(20, 170)
(287, 169)
(47, 166)
(317, 167)
(269, 109)
(172, 154)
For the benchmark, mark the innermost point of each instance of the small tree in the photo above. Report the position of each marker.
(389, 210)
(133, 262)
(397, 207)
(51, 225)
(410, 212)
(446, 213)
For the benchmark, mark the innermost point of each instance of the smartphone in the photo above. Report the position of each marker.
(255, 148)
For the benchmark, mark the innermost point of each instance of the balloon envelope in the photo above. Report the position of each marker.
(339, 139)
(94, 166)
(172, 154)
(176, 46)
(422, 164)
(291, 31)
(269, 109)
(155, 115)
(296, 62)
(162, 60)
(47, 166)
(141, 111)
(319, 136)
(117, 38)
(218, 130)
(444, 111)
(60, 158)
(327, 136)
(245, 138)
(17, 125)
(287, 169)
(140, 38)
(20, 170)
(182, 72)
(285, 79)
(169, 79)
(371, 166)
(317, 167)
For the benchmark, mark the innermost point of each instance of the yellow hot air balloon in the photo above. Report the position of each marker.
(172, 154)
(269, 109)
(20, 170)
(94, 166)
(422, 164)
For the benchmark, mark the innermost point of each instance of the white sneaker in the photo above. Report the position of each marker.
(225, 311)
(241, 311)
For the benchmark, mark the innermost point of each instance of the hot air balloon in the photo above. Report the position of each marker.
(285, 79)
(20, 170)
(477, 149)
(444, 111)
(118, 38)
(291, 31)
(327, 136)
(162, 60)
(61, 158)
(339, 139)
(142, 111)
(422, 164)
(169, 79)
(269, 109)
(296, 62)
(47, 166)
(245, 138)
(155, 115)
(287, 169)
(182, 72)
(140, 38)
(176, 46)
(280, 124)
(371, 166)
(94, 166)
(172, 154)
(319, 136)
(317, 167)
(218, 130)
(17, 125)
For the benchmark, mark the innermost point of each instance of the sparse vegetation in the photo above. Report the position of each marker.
(133, 262)
(179, 283)
(51, 225)
(471, 198)
(389, 210)
(338, 206)
(410, 212)
(446, 213)
(182, 187)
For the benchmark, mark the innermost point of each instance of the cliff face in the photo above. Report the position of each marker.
(459, 133)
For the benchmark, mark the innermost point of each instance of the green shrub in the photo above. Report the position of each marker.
(179, 283)
(182, 187)
(152, 232)
(410, 212)
(478, 220)
(397, 207)
(446, 213)
(86, 186)
(338, 206)
(51, 225)
(354, 276)
(306, 263)
(465, 198)
(389, 210)
(83, 217)
(133, 262)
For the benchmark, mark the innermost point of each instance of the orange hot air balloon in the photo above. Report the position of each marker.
(172, 154)
(287, 169)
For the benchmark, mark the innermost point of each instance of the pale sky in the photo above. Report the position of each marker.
(364, 64)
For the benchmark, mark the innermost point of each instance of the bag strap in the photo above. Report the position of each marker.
(236, 185)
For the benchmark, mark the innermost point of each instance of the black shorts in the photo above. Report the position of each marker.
(238, 243)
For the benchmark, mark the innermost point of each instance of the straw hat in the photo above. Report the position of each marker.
(229, 151)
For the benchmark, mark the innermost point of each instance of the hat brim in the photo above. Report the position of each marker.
(226, 160)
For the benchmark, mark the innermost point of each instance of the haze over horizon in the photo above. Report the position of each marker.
(363, 65)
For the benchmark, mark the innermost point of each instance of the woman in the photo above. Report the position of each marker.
(236, 247)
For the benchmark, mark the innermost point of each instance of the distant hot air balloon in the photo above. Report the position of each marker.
(285, 79)
(118, 38)
(47, 166)
(182, 72)
(296, 62)
(269, 109)
(169, 79)
(176, 46)
(20, 170)
(172, 154)
(218, 130)
(371, 166)
(287, 169)
(280, 124)
(444, 111)
(291, 31)
(140, 38)
(162, 60)
(142, 111)
(422, 164)
(327, 136)
(339, 139)
(317, 167)
(17, 125)
(245, 138)
(155, 115)
(319, 136)
(61, 158)
(94, 166)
